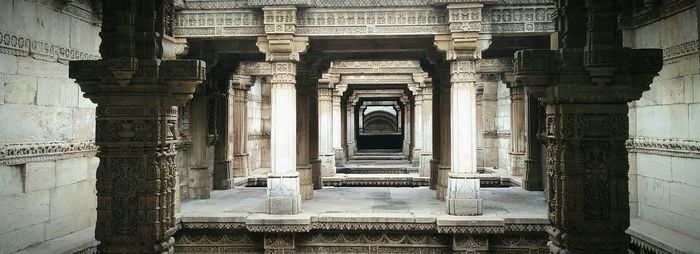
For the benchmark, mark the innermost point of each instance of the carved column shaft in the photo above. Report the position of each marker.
(350, 122)
(427, 126)
(136, 91)
(406, 129)
(518, 138)
(240, 129)
(479, 128)
(533, 175)
(418, 137)
(586, 86)
(325, 124)
(463, 196)
(303, 127)
(443, 128)
(337, 130)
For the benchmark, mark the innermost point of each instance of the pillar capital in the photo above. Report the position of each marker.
(464, 42)
(282, 47)
(241, 82)
(280, 19)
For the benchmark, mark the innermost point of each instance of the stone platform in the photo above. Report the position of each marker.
(363, 220)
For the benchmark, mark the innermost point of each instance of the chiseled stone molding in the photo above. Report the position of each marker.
(20, 153)
(86, 10)
(683, 148)
(18, 45)
(357, 67)
(224, 4)
(680, 50)
(212, 20)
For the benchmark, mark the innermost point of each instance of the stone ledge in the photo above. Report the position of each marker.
(683, 148)
(651, 237)
(305, 222)
(21, 153)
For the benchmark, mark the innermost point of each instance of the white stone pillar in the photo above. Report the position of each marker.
(283, 187)
(337, 131)
(417, 130)
(407, 129)
(427, 125)
(463, 197)
(352, 146)
(325, 124)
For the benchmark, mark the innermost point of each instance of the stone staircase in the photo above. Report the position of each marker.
(378, 162)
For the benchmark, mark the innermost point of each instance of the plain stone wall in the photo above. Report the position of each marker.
(44, 199)
(664, 188)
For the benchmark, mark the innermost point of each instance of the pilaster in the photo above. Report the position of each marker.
(586, 85)
(427, 126)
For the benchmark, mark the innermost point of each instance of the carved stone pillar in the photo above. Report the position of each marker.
(463, 47)
(479, 128)
(231, 159)
(337, 130)
(407, 129)
(518, 138)
(136, 89)
(282, 50)
(417, 131)
(350, 130)
(239, 91)
(533, 175)
(303, 127)
(325, 123)
(440, 164)
(463, 184)
(315, 161)
(427, 126)
(586, 85)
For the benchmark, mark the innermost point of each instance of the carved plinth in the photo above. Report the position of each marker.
(327, 164)
(463, 196)
(240, 164)
(283, 193)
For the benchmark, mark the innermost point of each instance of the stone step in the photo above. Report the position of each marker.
(379, 154)
(389, 169)
(378, 157)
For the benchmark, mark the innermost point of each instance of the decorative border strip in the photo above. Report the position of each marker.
(18, 45)
(221, 4)
(647, 247)
(368, 226)
(679, 50)
(20, 153)
(683, 148)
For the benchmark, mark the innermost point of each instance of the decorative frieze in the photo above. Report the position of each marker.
(240, 22)
(683, 148)
(20, 153)
(383, 67)
(319, 22)
(518, 19)
(18, 45)
(680, 50)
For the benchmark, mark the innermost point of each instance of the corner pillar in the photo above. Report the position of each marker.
(325, 123)
(518, 135)
(586, 89)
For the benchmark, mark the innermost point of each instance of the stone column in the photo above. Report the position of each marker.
(463, 183)
(303, 127)
(337, 129)
(418, 130)
(518, 138)
(325, 124)
(533, 176)
(427, 126)
(444, 126)
(137, 90)
(282, 50)
(479, 128)
(352, 145)
(240, 126)
(586, 84)
(316, 178)
(407, 129)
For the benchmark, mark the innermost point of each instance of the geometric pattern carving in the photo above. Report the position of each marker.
(424, 20)
(18, 45)
(239, 22)
(21, 153)
(683, 148)
(375, 242)
(518, 19)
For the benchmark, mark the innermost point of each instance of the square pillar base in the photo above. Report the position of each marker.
(327, 164)
(283, 193)
(424, 167)
(339, 157)
(463, 196)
